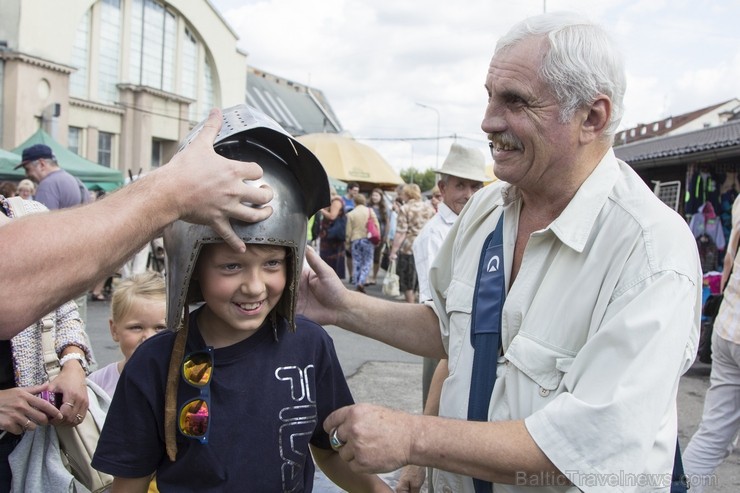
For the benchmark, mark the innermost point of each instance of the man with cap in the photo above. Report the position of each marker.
(461, 175)
(57, 189)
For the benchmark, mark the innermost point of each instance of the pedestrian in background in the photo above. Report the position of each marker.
(720, 421)
(57, 189)
(353, 190)
(332, 239)
(357, 238)
(413, 215)
(381, 209)
(26, 189)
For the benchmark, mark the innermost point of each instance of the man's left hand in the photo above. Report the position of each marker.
(376, 439)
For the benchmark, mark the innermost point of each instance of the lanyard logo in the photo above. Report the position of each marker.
(493, 264)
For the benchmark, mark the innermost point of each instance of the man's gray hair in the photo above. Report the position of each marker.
(583, 61)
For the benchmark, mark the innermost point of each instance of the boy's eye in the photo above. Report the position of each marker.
(136, 328)
(159, 328)
(230, 267)
(274, 263)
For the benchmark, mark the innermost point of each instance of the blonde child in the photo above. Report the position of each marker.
(138, 311)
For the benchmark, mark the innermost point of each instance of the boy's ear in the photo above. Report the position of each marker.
(113, 330)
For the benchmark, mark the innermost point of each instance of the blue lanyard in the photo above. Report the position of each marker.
(485, 329)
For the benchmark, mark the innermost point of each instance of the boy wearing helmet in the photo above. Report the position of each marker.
(233, 396)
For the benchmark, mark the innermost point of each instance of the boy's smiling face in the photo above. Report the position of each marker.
(239, 289)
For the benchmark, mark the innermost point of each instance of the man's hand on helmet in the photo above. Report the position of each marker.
(196, 182)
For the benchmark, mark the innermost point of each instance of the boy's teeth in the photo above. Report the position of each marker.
(249, 306)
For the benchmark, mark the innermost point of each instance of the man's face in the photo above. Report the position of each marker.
(457, 191)
(351, 192)
(531, 146)
(35, 170)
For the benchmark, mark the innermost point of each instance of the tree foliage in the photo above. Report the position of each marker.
(425, 179)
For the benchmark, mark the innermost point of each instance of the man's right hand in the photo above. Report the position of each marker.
(207, 188)
(321, 292)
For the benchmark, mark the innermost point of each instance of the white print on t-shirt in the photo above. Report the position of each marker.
(297, 420)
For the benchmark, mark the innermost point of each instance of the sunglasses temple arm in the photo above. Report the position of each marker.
(173, 378)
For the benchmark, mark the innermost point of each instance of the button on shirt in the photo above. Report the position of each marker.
(597, 329)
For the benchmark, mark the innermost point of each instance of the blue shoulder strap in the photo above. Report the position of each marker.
(485, 329)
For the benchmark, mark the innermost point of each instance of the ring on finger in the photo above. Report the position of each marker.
(28, 422)
(335, 441)
(79, 418)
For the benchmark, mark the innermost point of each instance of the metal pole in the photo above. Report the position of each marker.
(437, 112)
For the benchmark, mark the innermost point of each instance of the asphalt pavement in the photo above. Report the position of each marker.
(380, 374)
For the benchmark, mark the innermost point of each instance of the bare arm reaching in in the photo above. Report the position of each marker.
(53, 257)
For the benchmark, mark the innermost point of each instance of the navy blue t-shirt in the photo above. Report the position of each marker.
(269, 400)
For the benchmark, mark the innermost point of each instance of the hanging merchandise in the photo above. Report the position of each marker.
(702, 188)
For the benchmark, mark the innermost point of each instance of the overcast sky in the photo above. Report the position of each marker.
(376, 59)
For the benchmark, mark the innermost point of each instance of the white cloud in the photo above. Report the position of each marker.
(375, 60)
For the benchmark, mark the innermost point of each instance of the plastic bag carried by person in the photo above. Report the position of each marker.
(390, 282)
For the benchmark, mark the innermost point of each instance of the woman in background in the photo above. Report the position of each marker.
(331, 249)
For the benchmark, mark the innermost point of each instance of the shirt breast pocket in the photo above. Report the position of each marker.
(459, 305)
(543, 364)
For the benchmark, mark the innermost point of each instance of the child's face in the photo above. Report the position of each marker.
(239, 289)
(144, 318)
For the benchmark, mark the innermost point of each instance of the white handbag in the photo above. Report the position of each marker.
(390, 281)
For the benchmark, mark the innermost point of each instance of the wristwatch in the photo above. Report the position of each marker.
(72, 356)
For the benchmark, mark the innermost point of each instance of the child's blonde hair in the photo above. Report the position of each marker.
(149, 285)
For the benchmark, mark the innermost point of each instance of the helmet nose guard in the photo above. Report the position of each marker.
(300, 188)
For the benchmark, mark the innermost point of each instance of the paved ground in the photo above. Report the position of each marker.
(383, 375)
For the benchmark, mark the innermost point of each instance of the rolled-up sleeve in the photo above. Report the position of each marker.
(619, 391)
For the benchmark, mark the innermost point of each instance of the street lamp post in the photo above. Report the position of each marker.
(437, 112)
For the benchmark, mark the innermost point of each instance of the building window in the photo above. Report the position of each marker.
(153, 45)
(156, 154)
(656, 126)
(669, 123)
(74, 139)
(105, 148)
(632, 132)
(643, 130)
(207, 93)
(110, 49)
(78, 78)
(189, 73)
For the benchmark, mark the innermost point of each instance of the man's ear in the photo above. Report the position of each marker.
(597, 119)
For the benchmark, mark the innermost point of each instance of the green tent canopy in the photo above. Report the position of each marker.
(8, 161)
(93, 175)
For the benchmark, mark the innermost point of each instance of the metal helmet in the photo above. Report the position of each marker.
(300, 187)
